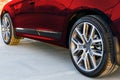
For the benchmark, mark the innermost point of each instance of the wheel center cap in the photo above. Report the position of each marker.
(87, 45)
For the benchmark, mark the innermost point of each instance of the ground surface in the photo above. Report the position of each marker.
(34, 60)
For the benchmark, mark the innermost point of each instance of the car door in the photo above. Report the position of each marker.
(50, 16)
(24, 14)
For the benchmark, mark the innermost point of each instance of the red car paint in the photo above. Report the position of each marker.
(54, 16)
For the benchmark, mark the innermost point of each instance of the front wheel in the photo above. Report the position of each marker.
(90, 45)
(8, 33)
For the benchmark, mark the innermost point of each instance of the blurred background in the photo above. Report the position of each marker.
(2, 3)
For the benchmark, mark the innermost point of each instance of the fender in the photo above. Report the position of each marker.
(7, 9)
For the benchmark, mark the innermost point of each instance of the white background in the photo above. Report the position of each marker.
(34, 60)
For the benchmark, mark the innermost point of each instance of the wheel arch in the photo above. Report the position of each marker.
(84, 12)
(7, 9)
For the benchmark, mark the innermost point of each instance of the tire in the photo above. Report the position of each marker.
(7, 30)
(90, 45)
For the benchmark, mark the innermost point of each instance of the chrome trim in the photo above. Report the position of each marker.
(19, 28)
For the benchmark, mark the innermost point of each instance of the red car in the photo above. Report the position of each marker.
(89, 28)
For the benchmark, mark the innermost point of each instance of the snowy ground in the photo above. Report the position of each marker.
(34, 60)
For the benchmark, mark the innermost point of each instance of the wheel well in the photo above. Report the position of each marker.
(77, 15)
(3, 13)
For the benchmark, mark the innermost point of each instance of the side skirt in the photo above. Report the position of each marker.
(50, 34)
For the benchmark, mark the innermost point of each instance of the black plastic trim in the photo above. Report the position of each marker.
(50, 34)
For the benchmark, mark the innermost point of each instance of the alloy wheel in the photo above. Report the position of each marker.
(6, 28)
(86, 46)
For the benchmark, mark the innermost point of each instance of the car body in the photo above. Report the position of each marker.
(52, 20)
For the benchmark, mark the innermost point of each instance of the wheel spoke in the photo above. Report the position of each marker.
(8, 25)
(7, 36)
(8, 31)
(78, 46)
(74, 51)
(93, 61)
(96, 41)
(74, 41)
(6, 20)
(3, 34)
(91, 33)
(86, 62)
(4, 24)
(97, 54)
(80, 35)
(85, 30)
(81, 58)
